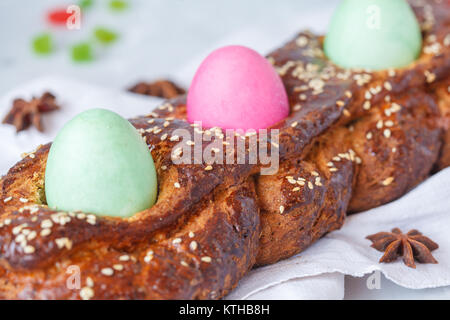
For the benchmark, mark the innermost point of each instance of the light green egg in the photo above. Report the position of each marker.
(373, 34)
(100, 164)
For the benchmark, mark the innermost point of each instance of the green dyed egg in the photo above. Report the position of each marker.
(100, 164)
(373, 34)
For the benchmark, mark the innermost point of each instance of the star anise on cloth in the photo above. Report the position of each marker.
(24, 113)
(411, 246)
(161, 88)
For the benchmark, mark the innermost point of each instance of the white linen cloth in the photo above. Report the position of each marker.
(316, 273)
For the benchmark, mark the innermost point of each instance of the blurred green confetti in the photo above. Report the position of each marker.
(118, 5)
(82, 52)
(104, 35)
(43, 44)
(86, 4)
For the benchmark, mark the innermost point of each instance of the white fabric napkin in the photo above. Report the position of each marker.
(318, 272)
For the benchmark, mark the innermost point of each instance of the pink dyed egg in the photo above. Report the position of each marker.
(236, 88)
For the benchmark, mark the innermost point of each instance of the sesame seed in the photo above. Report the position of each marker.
(164, 137)
(86, 293)
(193, 245)
(184, 264)
(208, 168)
(430, 77)
(281, 209)
(301, 183)
(387, 181)
(395, 107)
(447, 40)
(348, 94)
(206, 259)
(296, 189)
(174, 138)
(190, 143)
(118, 267)
(337, 159)
(368, 95)
(315, 173)
(380, 124)
(366, 105)
(124, 257)
(389, 123)
(346, 113)
(107, 271)
(294, 124)
(31, 235)
(177, 185)
(7, 199)
(64, 242)
(333, 169)
(317, 182)
(81, 216)
(310, 185)
(369, 135)
(166, 124)
(388, 86)
(176, 240)
(47, 223)
(387, 133)
(191, 234)
(29, 250)
(340, 103)
(301, 41)
(16, 230)
(23, 200)
(45, 232)
(20, 238)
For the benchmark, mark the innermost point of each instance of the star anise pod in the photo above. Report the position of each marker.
(161, 88)
(24, 113)
(411, 246)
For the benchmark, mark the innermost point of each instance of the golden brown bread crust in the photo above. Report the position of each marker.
(354, 140)
(442, 92)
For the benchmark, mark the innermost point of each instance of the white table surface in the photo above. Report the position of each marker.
(161, 38)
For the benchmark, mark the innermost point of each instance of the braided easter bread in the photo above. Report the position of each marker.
(353, 140)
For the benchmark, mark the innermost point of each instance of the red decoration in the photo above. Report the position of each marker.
(58, 16)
